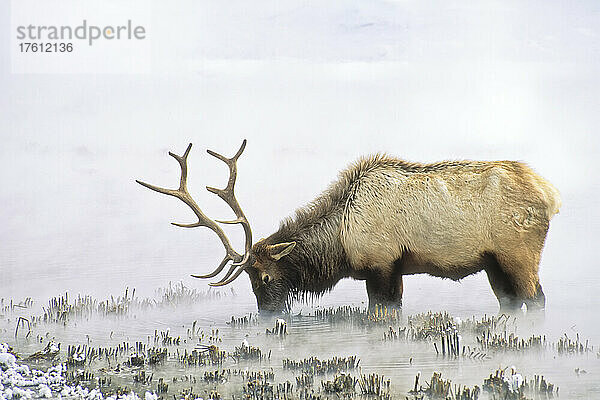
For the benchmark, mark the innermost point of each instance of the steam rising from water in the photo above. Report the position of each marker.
(417, 81)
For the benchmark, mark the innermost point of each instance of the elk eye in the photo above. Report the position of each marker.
(266, 278)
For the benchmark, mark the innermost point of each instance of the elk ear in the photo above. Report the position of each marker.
(279, 250)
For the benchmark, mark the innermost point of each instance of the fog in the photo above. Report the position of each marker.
(311, 86)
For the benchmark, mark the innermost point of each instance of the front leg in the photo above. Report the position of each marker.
(384, 289)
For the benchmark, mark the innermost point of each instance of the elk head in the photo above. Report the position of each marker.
(265, 263)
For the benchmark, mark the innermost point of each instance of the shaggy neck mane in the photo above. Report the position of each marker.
(319, 261)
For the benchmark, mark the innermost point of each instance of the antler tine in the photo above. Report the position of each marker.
(182, 160)
(182, 194)
(224, 282)
(230, 271)
(228, 195)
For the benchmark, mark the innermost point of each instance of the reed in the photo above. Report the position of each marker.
(244, 322)
(162, 386)
(510, 342)
(280, 328)
(247, 352)
(566, 345)
(314, 366)
(341, 383)
(511, 385)
(439, 388)
(374, 384)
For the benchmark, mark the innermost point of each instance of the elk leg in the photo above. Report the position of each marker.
(503, 289)
(538, 302)
(516, 280)
(384, 290)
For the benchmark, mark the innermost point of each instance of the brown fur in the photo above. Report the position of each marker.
(385, 217)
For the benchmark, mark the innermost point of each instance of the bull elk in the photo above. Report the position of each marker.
(384, 218)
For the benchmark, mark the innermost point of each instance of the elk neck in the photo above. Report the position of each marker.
(318, 261)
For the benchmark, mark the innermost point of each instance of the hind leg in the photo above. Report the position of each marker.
(538, 302)
(516, 279)
(384, 289)
(517, 258)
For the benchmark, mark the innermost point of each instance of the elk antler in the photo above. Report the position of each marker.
(228, 195)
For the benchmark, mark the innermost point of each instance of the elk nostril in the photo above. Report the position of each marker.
(266, 278)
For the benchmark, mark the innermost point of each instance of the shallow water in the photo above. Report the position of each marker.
(309, 336)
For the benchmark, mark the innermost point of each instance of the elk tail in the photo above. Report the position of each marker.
(551, 197)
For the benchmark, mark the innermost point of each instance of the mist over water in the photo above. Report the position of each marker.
(312, 89)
